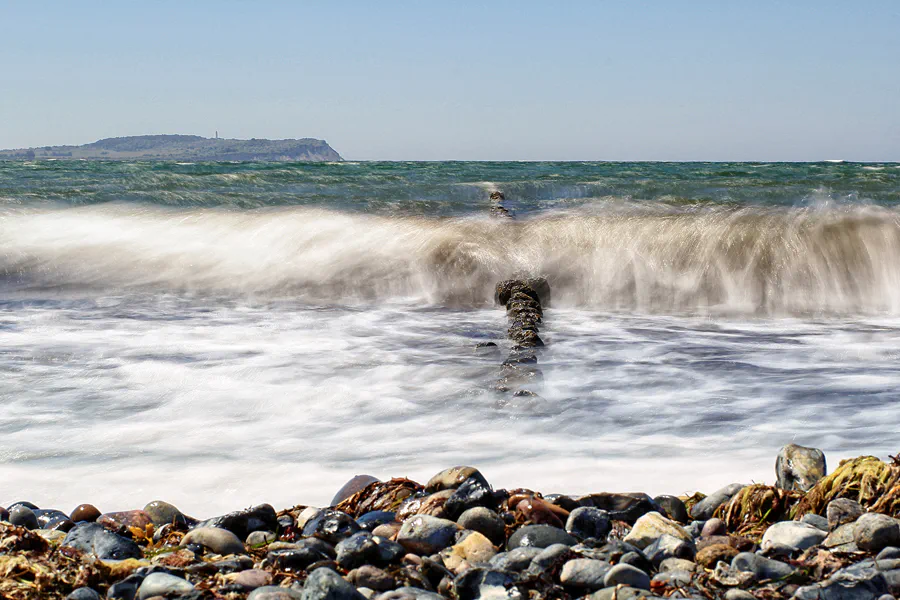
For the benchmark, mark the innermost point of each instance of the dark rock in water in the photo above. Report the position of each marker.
(488, 583)
(520, 359)
(874, 532)
(331, 526)
(486, 522)
(497, 196)
(673, 507)
(539, 536)
(46, 515)
(760, 566)
(588, 522)
(423, 534)
(843, 510)
(161, 513)
(83, 593)
(486, 347)
(452, 478)
(500, 211)
(325, 584)
(624, 574)
(704, 509)
(24, 503)
(242, 522)
(85, 512)
(373, 519)
(295, 559)
(102, 543)
(628, 507)
(473, 492)
(23, 516)
(126, 589)
(356, 550)
(356, 484)
(799, 468)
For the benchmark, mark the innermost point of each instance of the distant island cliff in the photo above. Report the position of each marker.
(183, 147)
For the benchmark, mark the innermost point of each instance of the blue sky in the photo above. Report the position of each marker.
(623, 80)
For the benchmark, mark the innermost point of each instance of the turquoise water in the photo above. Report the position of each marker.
(223, 334)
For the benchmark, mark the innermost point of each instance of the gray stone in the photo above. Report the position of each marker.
(371, 577)
(714, 526)
(651, 526)
(584, 573)
(817, 521)
(548, 557)
(331, 526)
(325, 584)
(674, 508)
(539, 536)
(621, 593)
(704, 509)
(760, 566)
(220, 541)
(677, 564)
(486, 522)
(874, 532)
(261, 538)
(799, 468)
(274, 592)
(588, 522)
(357, 550)
(843, 510)
(841, 539)
(486, 583)
(673, 578)
(793, 534)
(737, 594)
(83, 593)
(889, 553)
(515, 560)
(102, 543)
(627, 575)
(161, 584)
(667, 546)
(423, 534)
(452, 478)
(856, 582)
(23, 516)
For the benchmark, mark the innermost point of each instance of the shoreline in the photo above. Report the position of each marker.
(457, 536)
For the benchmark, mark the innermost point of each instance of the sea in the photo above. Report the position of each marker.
(219, 335)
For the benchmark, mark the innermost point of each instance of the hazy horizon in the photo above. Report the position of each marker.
(611, 81)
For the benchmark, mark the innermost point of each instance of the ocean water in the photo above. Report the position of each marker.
(223, 334)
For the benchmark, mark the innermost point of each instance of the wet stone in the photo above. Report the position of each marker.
(551, 556)
(331, 526)
(424, 534)
(452, 478)
(85, 512)
(623, 574)
(485, 583)
(515, 560)
(540, 536)
(121, 521)
(83, 593)
(93, 538)
(485, 521)
(678, 564)
(627, 507)
(673, 507)
(243, 522)
(295, 559)
(636, 558)
(373, 519)
(261, 538)
(46, 516)
(22, 516)
(126, 589)
(161, 513)
(325, 584)
(587, 522)
(357, 550)
(471, 493)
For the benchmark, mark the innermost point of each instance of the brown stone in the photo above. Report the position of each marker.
(388, 530)
(710, 556)
(249, 579)
(85, 512)
(371, 577)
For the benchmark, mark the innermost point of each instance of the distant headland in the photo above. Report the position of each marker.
(183, 147)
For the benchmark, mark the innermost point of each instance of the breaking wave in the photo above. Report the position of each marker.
(654, 258)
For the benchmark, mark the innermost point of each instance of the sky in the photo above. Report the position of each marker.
(595, 80)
